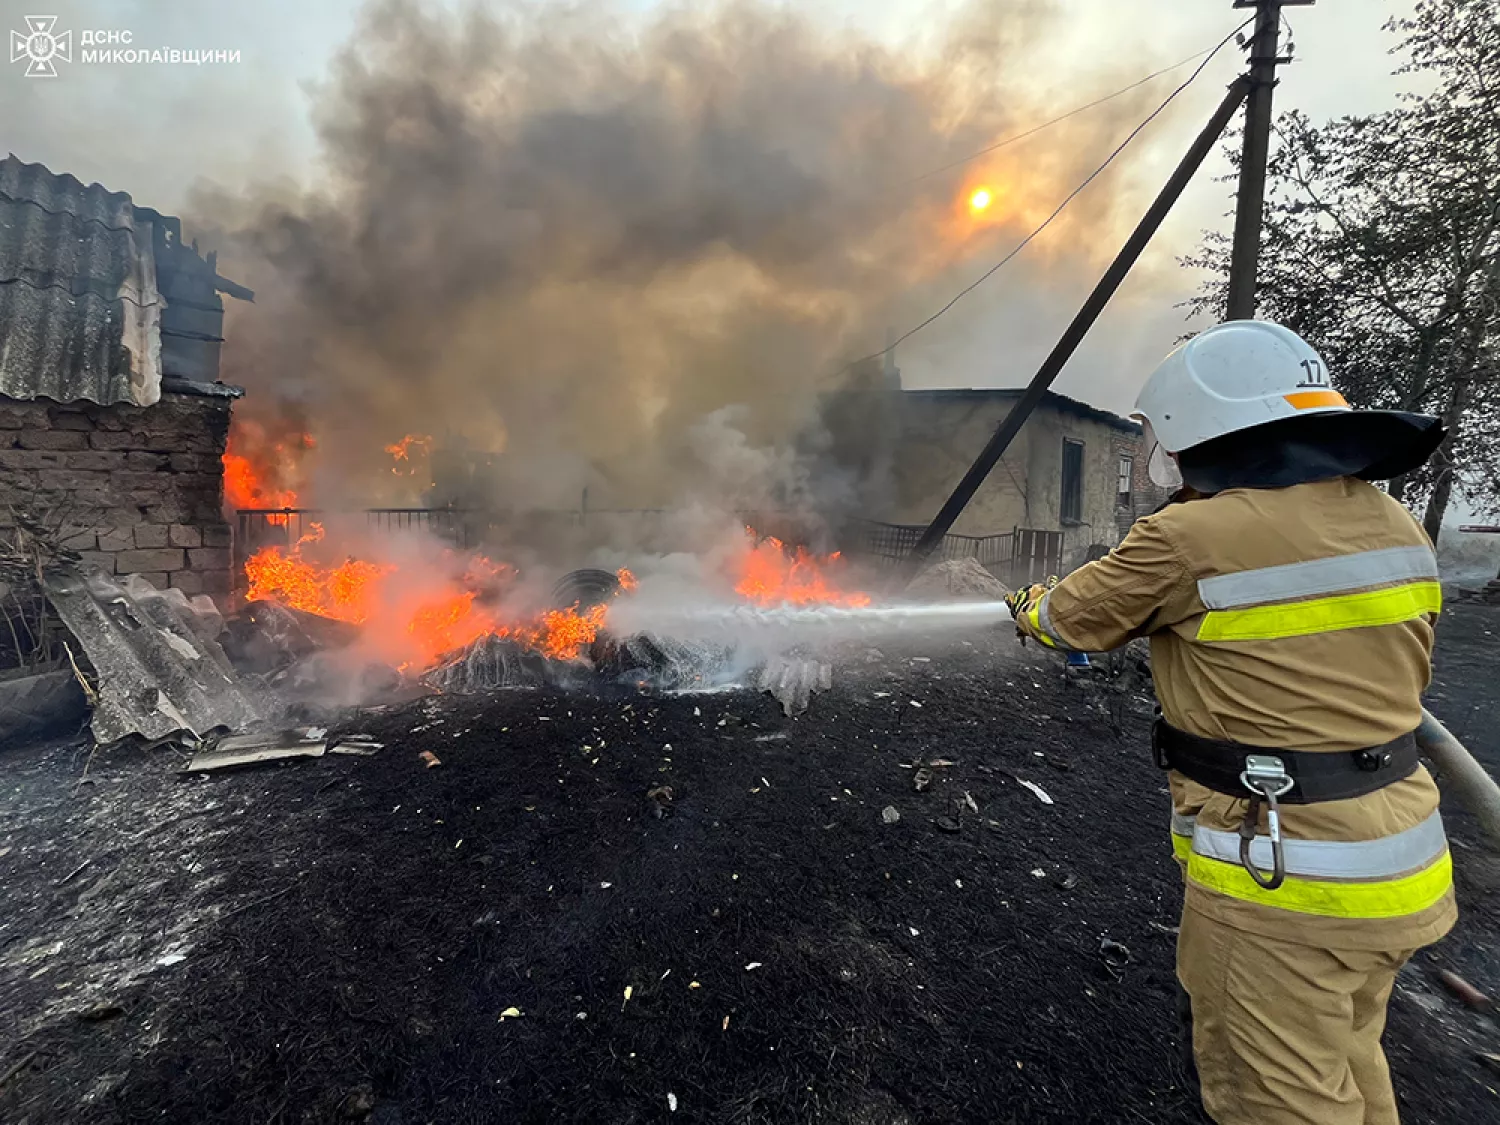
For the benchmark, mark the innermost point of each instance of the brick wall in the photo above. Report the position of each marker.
(1145, 497)
(141, 486)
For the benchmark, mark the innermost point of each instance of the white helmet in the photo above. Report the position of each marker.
(1231, 377)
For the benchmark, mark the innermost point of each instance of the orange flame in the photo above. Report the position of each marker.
(401, 451)
(415, 633)
(255, 468)
(770, 574)
(345, 592)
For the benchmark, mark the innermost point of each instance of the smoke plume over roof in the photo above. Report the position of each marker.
(567, 245)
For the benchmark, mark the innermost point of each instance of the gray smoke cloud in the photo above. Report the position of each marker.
(631, 258)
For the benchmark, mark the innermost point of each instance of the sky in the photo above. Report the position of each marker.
(156, 131)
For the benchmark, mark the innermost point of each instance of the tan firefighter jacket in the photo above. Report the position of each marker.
(1296, 618)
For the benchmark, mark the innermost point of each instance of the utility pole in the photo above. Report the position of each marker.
(1252, 192)
(990, 456)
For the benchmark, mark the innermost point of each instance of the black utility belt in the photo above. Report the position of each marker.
(1301, 777)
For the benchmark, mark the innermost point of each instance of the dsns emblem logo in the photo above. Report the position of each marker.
(40, 47)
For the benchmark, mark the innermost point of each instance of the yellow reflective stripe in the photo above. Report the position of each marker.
(1386, 898)
(1182, 846)
(1323, 615)
(1034, 619)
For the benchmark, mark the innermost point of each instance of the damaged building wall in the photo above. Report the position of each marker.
(938, 433)
(112, 422)
(1093, 516)
(1145, 495)
(136, 490)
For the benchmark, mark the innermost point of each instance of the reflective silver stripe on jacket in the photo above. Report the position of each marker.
(1044, 619)
(1318, 576)
(1384, 858)
(1183, 825)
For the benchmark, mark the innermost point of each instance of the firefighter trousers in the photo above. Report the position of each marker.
(1286, 1034)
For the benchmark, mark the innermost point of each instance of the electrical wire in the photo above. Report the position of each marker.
(1092, 176)
(959, 163)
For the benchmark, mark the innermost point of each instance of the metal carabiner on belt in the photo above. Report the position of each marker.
(1267, 779)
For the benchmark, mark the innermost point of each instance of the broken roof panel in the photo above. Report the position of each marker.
(160, 671)
(79, 307)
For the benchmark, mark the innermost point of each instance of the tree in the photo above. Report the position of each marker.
(1381, 247)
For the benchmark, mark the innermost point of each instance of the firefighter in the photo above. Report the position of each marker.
(1290, 607)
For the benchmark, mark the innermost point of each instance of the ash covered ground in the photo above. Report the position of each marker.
(341, 939)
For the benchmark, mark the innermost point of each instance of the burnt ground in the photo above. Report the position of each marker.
(338, 939)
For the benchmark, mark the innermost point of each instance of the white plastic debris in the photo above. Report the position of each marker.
(672, 1103)
(752, 965)
(1038, 872)
(510, 1014)
(1041, 794)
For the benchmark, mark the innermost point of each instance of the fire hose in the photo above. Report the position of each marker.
(1469, 782)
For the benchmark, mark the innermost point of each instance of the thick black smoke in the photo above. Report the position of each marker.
(581, 253)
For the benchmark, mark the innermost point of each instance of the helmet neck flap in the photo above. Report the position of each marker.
(1371, 445)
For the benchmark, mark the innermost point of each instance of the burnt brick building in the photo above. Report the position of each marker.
(112, 418)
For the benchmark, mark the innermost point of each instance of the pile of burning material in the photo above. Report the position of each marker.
(459, 624)
(492, 663)
(667, 663)
(267, 638)
(642, 661)
(421, 602)
(496, 663)
(324, 629)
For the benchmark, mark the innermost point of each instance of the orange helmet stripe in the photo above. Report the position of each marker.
(1310, 400)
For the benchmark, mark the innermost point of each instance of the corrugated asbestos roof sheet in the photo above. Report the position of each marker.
(79, 308)
(161, 671)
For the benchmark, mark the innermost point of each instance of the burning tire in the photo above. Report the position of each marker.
(585, 589)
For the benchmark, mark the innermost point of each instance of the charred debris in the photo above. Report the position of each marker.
(154, 667)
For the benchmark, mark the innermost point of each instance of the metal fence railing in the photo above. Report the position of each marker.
(1022, 555)
(258, 528)
(1037, 555)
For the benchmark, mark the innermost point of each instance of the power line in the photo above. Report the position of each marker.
(1092, 176)
(959, 163)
